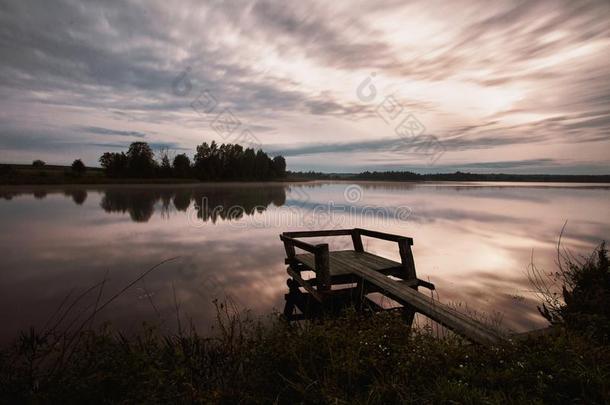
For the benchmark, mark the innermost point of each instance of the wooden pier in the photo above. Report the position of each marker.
(369, 273)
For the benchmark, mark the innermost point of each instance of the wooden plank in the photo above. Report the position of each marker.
(448, 317)
(365, 260)
(322, 267)
(377, 262)
(384, 236)
(357, 240)
(297, 277)
(406, 258)
(312, 234)
(336, 267)
(342, 261)
(299, 243)
(289, 251)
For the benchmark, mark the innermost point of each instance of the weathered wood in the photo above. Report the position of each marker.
(322, 267)
(384, 236)
(446, 316)
(341, 261)
(290, 252)
(297, 277)
(308, 247)
(357, 240)
(290, 298)
(370, 272)
(406, 259)
(313, 234)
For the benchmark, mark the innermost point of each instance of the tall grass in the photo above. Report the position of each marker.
(357, 358)
(577, 295)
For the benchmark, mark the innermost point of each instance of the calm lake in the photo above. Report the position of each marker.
(475, 241)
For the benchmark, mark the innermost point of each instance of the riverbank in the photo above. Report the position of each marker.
(59, 175)
(26, 175)
(353, 358)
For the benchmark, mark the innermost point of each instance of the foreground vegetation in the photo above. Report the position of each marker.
(356, 358)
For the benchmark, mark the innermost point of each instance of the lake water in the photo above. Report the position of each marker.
(473, 240)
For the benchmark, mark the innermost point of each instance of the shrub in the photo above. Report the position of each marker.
(585, 293)
(78, 167)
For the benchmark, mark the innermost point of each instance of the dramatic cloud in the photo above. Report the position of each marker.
(328, 84)
(106, 131)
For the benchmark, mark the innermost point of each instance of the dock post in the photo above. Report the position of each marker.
(408, 264)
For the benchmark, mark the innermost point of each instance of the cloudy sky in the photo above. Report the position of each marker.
(519, 87)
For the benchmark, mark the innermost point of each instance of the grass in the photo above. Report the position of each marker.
(343, 360)
(354, 358)
(57, 175)
(50, 175)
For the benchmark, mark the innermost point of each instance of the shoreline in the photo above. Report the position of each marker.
(194, 182)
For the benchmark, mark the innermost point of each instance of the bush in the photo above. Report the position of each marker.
(38, 163)
(78, 167)
(585, 293)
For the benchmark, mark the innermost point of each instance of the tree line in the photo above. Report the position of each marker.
(461, 176)
(210, 163)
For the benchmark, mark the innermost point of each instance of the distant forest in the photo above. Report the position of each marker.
(460, 176)
(457, 176)
(210, 163)
(228, 162)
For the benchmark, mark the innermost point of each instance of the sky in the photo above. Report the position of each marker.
(335, 86)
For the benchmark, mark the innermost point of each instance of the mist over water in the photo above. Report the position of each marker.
(473, 240)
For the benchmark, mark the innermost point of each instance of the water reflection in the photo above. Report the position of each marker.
(473, 241)
(228, 202)
(78, 196)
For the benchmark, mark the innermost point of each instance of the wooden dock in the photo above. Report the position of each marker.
(369, 273)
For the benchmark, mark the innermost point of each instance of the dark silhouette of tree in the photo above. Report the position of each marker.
(114, 164)
(206, 161)
(262, 165)
(166, 167)
(182, 165)
(279, 166)
(249, 163)
(141, 160)
(78, 167)
(211, 163)
(38, 163)
(232, 162)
